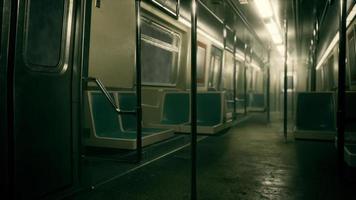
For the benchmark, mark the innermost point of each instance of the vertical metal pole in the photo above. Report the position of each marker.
(13, 9)
(285, 124)
(293, 91)
(341, 90)
(138, 81)
(234, 77)
(268, 86)
(245, 80)
(194, 100)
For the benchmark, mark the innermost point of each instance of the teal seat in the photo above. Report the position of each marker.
(175, 108)
(315, 112)
(209, 109)
(105, 118)
(350, 116)
(127, 102)
(258, 100)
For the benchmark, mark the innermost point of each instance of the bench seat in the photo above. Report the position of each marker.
(110, 130)
(315, 116)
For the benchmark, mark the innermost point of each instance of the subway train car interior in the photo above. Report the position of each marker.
(178, 99)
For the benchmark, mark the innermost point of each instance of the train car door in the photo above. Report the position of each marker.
(4, 169)
(43, 147)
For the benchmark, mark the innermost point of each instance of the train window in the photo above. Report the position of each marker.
(44, 33)
(240, 79)
(215, 68)
(352, 57)
(201, 56)
(259, 82)
(160, 54)
(228, 71)
(330, 75)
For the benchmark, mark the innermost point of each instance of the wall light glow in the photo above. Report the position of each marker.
(335, 40)
(273, 29)
(264, 8)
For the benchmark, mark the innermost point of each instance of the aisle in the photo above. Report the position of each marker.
(250, 161)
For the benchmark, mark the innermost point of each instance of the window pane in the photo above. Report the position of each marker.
(228, 71)
(159, 51)
(156, 64)
(352, 59)
(44, 37)
(290, 81)
(215, 68)
(201, 55)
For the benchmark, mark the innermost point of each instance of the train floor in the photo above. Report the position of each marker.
(250, 161)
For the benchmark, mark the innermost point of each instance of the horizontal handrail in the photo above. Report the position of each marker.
(107, 95)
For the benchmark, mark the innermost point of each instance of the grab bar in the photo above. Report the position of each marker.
(107, 95)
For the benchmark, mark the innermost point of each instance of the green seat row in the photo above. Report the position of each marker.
(175, 108)
(315, 111)
(209, 109)
(108, 124)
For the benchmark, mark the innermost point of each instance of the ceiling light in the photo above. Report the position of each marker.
(264, 8)
(243, 1)
(273, 29)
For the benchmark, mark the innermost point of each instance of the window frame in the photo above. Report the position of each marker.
(64, 55)
(353, 34)
(163, 45)
(211, 69)
(201, 80)
(165, 9)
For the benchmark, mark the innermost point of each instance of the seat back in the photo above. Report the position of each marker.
(315, 111)
(104, 118)
(127, 102)
(176, 108)
(258, 100)
(209, 108)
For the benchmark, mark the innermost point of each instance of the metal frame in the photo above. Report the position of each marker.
(268, 86)
(193, 96)
(138, 81)
(285, 118)
(341, 90)
(172, 13)
(234, 81)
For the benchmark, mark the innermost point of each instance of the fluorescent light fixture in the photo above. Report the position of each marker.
(335, 40)
(205, 34)
(273, 29)
(194, 7)
(264, 8)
